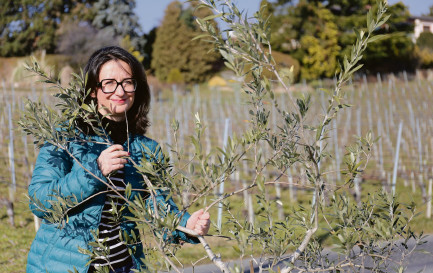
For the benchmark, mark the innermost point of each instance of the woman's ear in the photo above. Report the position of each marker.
(93, 94)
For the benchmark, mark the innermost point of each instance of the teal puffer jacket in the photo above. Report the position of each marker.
(56, 250)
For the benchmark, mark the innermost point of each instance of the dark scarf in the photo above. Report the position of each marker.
(116, 130)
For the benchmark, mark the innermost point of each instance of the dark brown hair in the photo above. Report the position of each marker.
(138, 121)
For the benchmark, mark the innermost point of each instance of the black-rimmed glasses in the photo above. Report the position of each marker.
(110, 85)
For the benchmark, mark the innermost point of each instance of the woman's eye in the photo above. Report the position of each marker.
(108, 83)
(128, 82)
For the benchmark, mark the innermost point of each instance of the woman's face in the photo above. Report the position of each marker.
(118, 102)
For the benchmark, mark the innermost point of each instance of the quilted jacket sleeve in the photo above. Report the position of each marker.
(163, 202)
(56, 173)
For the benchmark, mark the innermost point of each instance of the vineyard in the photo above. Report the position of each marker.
(396, 109)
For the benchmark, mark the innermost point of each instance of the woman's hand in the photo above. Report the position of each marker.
(111, 159)
(199, 222)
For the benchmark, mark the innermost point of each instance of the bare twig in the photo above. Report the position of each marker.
(215, 259)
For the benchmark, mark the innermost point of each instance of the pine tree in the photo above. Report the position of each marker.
(148, 48)
(118, 18)
(174, 48)
(166, 51)
(202, 59)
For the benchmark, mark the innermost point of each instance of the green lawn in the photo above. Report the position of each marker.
(15, 241)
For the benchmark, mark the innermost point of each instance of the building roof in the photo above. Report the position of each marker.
(422, 18)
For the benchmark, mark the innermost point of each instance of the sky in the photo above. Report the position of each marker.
(151, 12)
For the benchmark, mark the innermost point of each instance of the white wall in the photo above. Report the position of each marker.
(419, 28)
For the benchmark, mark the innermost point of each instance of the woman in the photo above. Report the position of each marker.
(118, 85)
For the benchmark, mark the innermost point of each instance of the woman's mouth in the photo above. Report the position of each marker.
(119, 101)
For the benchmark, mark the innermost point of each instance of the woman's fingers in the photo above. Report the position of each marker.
(192, 221)
(199, 222)
(117, 167)
(112, 159)
(115, 151)
(119, 161)
(115, 147)
(205, 216)
(117, 154)
(201, 230)
(202, 222)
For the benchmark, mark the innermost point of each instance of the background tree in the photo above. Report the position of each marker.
(308, 32)
(306, 20)
(425, 40)
(24, 27)
(118, 19)
(27, 26)
(175, 49)
(78, 40)
(168, 37)
(148, 48)
(396, 52)
(424, 49)
(320, 47)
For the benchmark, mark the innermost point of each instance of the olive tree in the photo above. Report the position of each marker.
(365, 235)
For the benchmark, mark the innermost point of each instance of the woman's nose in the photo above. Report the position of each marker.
(119, 90)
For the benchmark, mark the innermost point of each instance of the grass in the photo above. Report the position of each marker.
(15, 241)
